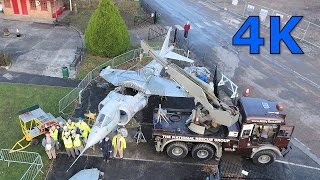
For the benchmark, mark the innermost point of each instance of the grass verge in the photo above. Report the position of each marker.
(15, 97)
(80, 20)
(89, 63)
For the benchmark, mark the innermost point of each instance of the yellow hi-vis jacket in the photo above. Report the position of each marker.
(67, 142)
(123, 144)
(77, 141)
(84, 128)
(63, 134)
(70, 126)
(54, 134)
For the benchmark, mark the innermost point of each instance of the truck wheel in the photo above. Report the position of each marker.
(177, 150)
(202, 152)
(264, 158)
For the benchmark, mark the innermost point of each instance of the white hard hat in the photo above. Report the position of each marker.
(73, 131)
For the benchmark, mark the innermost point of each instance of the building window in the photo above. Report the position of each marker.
(7, 3)
(44, 5)
(33, 4)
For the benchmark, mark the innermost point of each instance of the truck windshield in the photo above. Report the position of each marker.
(265, 131)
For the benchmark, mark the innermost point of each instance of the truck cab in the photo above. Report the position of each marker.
(262, 129)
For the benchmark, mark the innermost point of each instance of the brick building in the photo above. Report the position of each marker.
(33, 8)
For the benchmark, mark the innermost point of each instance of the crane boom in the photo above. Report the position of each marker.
(219, 112)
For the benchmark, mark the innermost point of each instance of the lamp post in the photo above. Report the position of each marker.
(70, 1)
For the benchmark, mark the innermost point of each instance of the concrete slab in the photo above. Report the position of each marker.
(43, 49)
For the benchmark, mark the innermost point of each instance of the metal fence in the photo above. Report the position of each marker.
(24, 157)
(156, 33)
(305, 30)
(147, 15)
(116, 62)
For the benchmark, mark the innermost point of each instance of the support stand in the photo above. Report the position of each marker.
(139, 136)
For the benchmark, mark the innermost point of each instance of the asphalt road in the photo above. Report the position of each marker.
(24, 78)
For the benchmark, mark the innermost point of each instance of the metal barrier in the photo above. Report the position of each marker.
(230, 85)
(305, 30)
(117, 61)
(24, 157)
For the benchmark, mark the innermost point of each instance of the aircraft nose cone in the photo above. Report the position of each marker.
(93, 139)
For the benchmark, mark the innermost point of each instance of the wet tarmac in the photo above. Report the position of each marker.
(127, 169)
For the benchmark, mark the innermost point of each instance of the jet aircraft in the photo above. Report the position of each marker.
(118, 108)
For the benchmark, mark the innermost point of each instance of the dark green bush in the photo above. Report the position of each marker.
(106, 33)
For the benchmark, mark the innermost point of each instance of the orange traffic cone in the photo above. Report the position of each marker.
(246, 93)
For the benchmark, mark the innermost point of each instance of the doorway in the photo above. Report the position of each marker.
(24, 7)
(15, 7)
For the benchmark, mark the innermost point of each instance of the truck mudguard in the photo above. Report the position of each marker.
(266, 147)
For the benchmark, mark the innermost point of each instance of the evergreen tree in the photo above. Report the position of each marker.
(106, 33)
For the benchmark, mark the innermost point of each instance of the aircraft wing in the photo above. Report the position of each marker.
(164, 87)
(148, 84)
(176, 56)
(118, 76)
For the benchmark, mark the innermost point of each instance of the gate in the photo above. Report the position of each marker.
(31, 158)
(75, 65)
(146, 16)
(157, 33)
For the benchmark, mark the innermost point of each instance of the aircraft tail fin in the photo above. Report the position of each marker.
(165, 45)
(166, 50)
